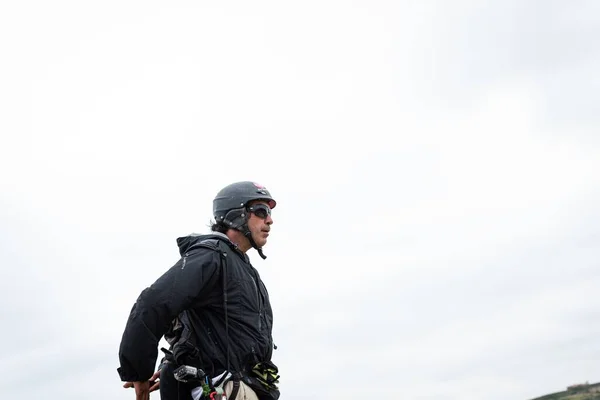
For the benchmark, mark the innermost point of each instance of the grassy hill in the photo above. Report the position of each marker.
(585, 391)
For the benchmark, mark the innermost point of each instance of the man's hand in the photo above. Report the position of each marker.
(143, 389)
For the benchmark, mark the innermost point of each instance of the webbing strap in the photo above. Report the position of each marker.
(224, 272)
(235, 390)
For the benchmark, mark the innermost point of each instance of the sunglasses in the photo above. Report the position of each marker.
(260, 210)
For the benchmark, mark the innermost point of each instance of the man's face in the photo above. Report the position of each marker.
(259, 222)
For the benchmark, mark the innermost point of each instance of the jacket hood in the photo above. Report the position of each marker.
(185, 242)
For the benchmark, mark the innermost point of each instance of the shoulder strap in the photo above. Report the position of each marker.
(224, 278)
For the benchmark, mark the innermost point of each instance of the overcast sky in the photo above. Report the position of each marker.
(436, 166)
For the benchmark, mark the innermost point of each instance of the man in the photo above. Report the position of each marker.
(212, 308)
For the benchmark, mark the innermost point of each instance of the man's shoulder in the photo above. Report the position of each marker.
(206, 246)
(194, 243)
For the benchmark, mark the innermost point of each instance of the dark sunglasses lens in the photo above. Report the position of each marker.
(261, 211)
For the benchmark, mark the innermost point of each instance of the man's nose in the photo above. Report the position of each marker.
(269, 220)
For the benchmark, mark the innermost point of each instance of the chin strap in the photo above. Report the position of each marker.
(248, 235)
(238, 219)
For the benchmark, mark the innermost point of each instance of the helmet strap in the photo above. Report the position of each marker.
(238, 219)
(248, 235)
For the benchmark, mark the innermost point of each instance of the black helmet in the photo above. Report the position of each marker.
(229, 205)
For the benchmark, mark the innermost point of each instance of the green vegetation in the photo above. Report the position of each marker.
(584, 391)
(568, 396)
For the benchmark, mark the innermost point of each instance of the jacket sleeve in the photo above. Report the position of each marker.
(188, 281)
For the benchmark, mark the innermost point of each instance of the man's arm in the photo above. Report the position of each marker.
(151, 315)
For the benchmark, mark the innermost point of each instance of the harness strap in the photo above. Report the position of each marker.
(235, 390)
(224, 272)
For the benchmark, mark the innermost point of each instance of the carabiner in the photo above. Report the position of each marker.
(215, 393)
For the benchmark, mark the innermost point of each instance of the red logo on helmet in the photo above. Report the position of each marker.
(258, 185)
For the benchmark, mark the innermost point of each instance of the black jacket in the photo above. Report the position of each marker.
(187, 306)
